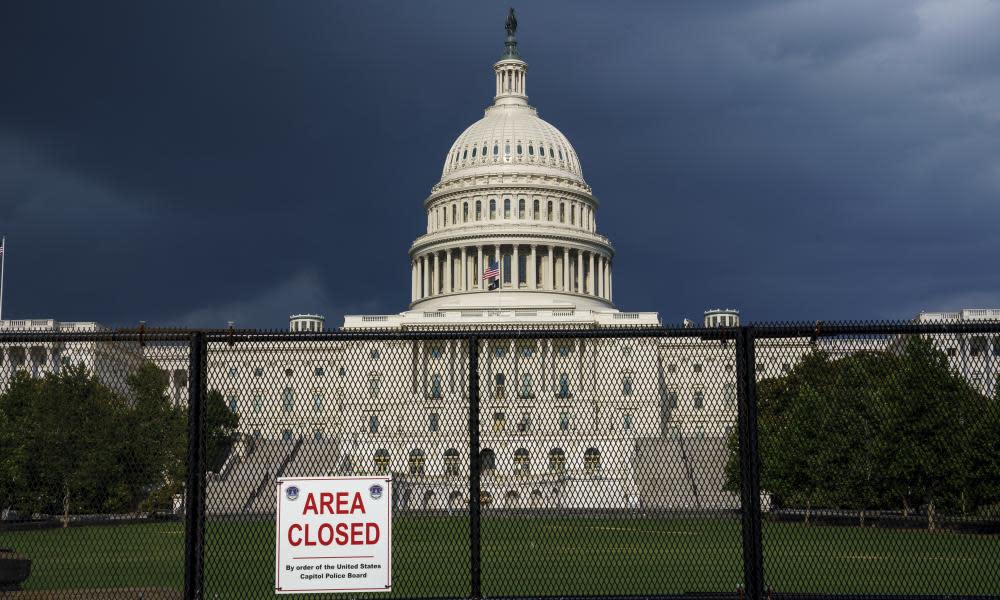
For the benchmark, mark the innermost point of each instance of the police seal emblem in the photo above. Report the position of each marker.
(292, 493)
(375, 491)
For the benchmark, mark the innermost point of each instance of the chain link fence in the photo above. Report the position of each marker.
(763, 461)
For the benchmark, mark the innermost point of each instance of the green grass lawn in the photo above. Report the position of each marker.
(537, 556)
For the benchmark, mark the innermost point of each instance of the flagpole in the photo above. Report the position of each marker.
(3, 264)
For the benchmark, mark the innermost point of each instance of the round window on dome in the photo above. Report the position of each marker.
(465, 153)
(541, 150)
(552, 153)
(531, 150)
(496, 149)
(506, 149)
(560, 154)
(484, 150)
(473, 152)
(520, 151)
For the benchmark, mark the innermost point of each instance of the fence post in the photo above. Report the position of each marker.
(474, 483)
(753, 557)
(194, 503)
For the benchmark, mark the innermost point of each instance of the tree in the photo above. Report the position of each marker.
(876, 429)
(221, 426)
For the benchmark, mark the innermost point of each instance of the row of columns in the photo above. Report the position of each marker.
(460, 270)
(510, 80)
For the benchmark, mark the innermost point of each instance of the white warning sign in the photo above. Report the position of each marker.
(334, 534)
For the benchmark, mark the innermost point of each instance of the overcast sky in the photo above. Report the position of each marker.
(198, 163)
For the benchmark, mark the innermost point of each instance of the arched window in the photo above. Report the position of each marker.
(451, 462)
(520, 208)
(527, 390)
(500, 385)
(487, 460)
(454, 214)
(572, 214)
(562, 212)
(531, 150)
(381, 460)
(479, 210)
(435, 391)
(541, 150)
(496, 149)
(549, 216)
(535, 213)
(520, 150)
(591, 460)
(373, 424)
(522, 462)
(506, 149)
(416, 461)
(465, 212)
(493, 208)
(506, 208)
(557, 460)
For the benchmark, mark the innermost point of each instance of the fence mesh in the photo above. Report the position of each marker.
(93, 459)
(343, 408)
(608, 462)
(879, 463)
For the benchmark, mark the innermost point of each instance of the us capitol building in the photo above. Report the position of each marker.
(569, 422)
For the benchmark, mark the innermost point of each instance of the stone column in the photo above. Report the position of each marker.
(413, 280)
(604, 277)
(499, 265)
(436, 275)
(590, 274)
(565, 263)
(579, 271)
(465, 271)
(447, 271)
(515, 268)
(611, 285)
(552, 268)
(533, 269)
(423, 276)
(478, 273)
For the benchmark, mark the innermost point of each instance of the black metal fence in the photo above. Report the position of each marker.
(821, 460)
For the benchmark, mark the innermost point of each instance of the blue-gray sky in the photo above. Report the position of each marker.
(194, 163)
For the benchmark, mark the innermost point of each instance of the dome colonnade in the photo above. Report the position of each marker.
(511, 191)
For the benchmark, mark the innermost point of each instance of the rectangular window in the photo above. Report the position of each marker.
(288, 400)
(506, 208)
(564, 418)
(319, 372)
(506, 268)
(373, 423)
(671, 368)
(256, 402)
(434, 422)
(317, 402)
(258, 371)
(672, 398)
(524, 424)
(499, 422)
(318, 435)
(232, 403)
(435, 391)
(627, 421)
(563, 391)
(527, 391)
(696, 367)
(626, 385)
(286, 435)
(699, 399)
(520, 208)
(373, 386)
(232, 372)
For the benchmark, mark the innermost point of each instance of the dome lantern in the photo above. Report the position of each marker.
(510, 70)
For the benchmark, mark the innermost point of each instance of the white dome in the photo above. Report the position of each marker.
(511, 136)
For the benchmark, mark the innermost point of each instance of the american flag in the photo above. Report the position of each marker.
(492, 272)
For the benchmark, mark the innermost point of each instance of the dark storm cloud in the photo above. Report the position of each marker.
(201, 163)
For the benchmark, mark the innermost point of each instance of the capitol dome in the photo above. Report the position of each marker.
(511, 224)
(511, 137)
